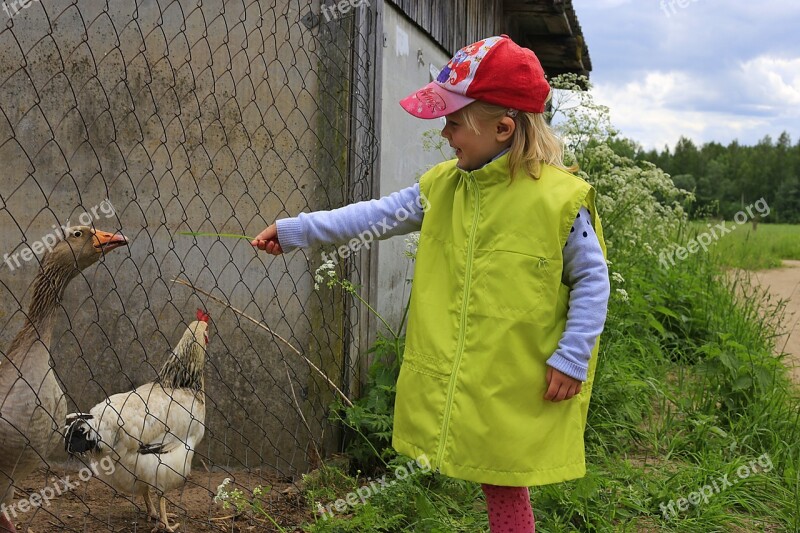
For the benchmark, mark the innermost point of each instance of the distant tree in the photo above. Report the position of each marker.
(686, 159)
(685, 182)
(726, 179)
(787, 203)
(624, 147)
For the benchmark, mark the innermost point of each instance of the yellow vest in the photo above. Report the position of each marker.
(487, 310)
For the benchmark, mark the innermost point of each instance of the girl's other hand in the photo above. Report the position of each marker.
(560, 386)
(267, 240)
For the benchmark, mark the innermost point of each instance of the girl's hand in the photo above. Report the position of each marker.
(560, 386)
(267, 240)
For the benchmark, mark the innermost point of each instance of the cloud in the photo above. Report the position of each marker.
(648, 111)
(711, 70)
(774, 81)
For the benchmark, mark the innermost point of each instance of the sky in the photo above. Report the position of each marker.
(711, 70)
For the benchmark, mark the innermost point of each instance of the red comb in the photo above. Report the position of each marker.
(202, 315)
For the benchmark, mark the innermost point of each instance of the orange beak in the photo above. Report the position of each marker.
(105, 242)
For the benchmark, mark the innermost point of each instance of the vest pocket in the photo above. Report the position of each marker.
(435, 367)
(517, 286)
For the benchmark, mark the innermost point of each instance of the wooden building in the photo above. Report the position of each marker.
(548, 27)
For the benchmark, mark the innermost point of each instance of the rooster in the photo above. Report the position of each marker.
(149, 434)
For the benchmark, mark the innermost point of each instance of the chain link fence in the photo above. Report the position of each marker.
(159, 117)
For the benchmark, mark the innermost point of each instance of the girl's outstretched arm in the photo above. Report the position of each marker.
(371, 220)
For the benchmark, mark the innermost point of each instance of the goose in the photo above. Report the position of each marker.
(32, 404)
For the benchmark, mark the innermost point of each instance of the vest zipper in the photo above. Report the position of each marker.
(471, 186)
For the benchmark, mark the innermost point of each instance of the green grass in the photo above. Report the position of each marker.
(750, 249)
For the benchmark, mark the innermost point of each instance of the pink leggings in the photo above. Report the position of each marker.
(509, 509)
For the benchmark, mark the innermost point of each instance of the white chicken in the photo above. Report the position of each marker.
(150, 433)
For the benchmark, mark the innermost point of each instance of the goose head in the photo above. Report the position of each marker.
(82, 246)
(78, 248)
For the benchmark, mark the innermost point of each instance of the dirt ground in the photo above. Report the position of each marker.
(92, 506)
(784, 283)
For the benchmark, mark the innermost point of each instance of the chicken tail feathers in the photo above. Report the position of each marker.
(79, 436)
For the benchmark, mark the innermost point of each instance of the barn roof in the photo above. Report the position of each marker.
(551, 29)
(548, 27)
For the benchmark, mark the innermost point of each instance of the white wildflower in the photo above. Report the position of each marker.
(412, 243)
(616, 276)
(327, 268)
(623, 294)
(222, 494)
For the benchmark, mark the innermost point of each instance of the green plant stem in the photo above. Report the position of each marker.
(225, 235)
(268, 517)
(405, 314)
(397, 337)
(374, 312)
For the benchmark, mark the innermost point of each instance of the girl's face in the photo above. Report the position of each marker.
(475, 150)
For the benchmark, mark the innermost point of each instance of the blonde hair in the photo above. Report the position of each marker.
(533, 143)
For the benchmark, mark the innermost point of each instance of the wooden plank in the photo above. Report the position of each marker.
(527, 24)
(558, 25)
(459, 37)
(520, 26)
(538, 7)
(560, 52)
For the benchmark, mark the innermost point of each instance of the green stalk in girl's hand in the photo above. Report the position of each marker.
(225, 235)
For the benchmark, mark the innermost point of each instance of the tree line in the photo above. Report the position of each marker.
(724, 179)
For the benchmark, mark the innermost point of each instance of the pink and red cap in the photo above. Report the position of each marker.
(495, 70)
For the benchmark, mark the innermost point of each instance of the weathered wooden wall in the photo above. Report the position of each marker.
(455, 23)
(548, 27)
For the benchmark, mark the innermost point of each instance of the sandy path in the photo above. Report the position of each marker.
(784, 283)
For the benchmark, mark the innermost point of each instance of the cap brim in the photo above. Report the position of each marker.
(434, 101)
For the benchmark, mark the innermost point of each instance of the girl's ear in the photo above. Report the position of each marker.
(505, 129)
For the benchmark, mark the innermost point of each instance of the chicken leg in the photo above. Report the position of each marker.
(151, 507)
(163, 520)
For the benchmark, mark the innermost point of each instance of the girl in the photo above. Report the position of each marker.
(510, 287)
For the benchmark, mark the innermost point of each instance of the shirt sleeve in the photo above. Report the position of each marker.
(397, 214)
(586, 273)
